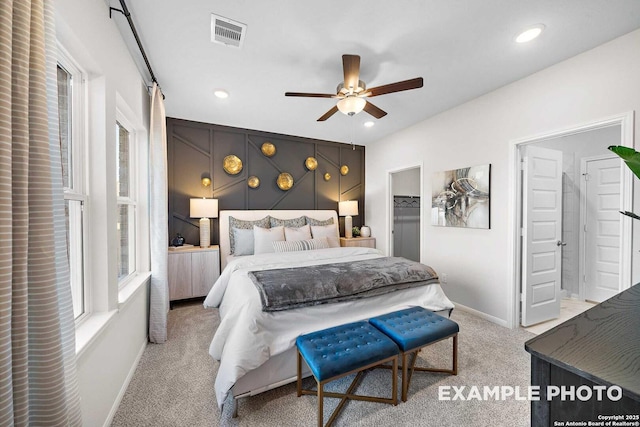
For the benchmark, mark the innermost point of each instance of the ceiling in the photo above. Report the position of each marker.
(462, 49)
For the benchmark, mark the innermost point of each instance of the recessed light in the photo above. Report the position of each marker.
(530, 33)
(222, 94)
(369, 124)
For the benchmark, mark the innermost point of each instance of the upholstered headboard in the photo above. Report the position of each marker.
(258, 214)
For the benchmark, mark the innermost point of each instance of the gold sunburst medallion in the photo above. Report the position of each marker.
(253, 182)
(232, 164)
(285, 181)
(268, 149)
(311, 163)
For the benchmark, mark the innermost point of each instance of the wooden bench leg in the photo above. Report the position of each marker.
(320, 393)
(405, 380)
(320, 401)
(452, 371)
(455, 355)
(394, 382)
(299, 381)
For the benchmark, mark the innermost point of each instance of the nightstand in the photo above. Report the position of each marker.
(362, 242)
(192, 271)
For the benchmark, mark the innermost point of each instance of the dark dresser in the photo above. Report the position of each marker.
(600, 347)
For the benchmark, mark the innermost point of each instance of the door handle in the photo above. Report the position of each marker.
(561, 243)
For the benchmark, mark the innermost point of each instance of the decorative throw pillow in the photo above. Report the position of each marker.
(298, 233)
(264, 238)
(313, 221)
(293, 222)
(243, 240)
(242, 224)
(328, 231)
(301, 245)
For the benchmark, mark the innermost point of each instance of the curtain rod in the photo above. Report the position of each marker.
(127, 14)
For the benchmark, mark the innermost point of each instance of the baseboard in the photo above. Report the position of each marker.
(481, 315)
(123, 389)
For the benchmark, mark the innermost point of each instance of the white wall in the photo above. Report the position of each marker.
(406, 183)
(107, 364)
(591, 86)
(108, 360)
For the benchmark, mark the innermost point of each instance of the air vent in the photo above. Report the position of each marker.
(226, 31)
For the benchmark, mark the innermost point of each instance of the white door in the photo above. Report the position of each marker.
(602, 229)
(542, 234)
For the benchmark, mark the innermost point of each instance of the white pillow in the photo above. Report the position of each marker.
(263, 238)
(301, 245)
(243, 239)
(297, 233)
(329, 231)
(248, 225)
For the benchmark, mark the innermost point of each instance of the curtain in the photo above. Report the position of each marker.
(38, 383)
(159, 219)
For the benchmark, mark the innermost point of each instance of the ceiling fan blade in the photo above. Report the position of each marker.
(351, 67)
(310, 95)
(329, 113)
(395, 87)
(374, 111)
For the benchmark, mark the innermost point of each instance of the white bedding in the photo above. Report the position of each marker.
(247, 337)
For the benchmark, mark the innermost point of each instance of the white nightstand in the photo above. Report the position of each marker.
(192, 271)
(362, 242)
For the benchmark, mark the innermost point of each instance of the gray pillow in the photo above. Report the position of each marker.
(243, 240)
(312, 221)
(245, 225)
(291, 223)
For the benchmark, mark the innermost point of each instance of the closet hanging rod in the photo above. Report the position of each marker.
(127, 14)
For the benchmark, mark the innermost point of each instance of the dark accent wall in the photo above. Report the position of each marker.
(196, 150)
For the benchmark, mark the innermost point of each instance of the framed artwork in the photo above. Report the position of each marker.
(460, 197)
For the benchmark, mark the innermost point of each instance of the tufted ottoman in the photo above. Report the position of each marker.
(342, 350)
(415, 328)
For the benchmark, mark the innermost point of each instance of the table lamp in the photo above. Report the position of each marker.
(346, 209)
(204, 209)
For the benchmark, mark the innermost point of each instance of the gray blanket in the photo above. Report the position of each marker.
(287, 288)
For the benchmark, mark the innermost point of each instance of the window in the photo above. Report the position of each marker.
(72, 140)
(126, 226)
(104, 156)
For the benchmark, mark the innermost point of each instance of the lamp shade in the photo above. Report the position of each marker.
(349, 207)
(351, 105)
(203, 208)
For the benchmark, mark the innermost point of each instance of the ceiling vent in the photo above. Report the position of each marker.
(227, 31)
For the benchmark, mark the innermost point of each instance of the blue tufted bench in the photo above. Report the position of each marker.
(415, 328)
(342, 350)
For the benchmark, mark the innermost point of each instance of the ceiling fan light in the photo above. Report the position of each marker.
(351, 105)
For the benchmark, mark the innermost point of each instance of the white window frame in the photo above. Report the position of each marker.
(104, 294)
(132, 200)
(78, 191)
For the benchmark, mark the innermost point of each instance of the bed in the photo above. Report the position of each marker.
(256, 349)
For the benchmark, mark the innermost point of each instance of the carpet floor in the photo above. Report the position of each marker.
(173, 383)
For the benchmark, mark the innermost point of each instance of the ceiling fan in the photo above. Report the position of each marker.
(353, 91)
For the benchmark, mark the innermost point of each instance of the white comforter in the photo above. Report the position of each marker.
(247, 337)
